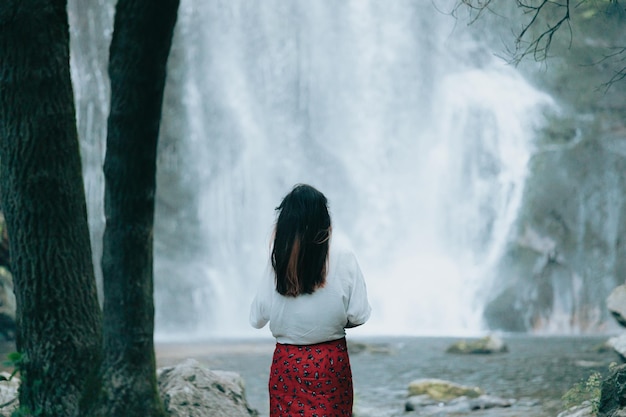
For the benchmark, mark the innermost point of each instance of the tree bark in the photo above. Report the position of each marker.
(58, 316)
(137, 67)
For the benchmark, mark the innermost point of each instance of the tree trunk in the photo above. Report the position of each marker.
(138, 56)
(58, 315)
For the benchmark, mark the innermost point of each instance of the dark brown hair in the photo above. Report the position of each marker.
(301, 242)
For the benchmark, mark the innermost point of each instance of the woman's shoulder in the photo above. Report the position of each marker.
(340, 244)
(341, 252)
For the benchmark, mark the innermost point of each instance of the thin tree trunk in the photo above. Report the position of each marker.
(58, 316)
(138, 57)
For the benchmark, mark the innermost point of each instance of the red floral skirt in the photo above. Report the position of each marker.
(311, 380)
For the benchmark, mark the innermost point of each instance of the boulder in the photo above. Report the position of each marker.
(187, 390)
(7, 305)
(425, 404)
(441, 390)
(603, 347)
(583, 410)
(618, 344)
(485, 345)
(418, 401)
(192, 390)
(9, 386)
(613, 393)
(360, 347)
(616, 304)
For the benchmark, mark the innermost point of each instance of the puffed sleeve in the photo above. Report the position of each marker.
(262, 303)
(359, 308)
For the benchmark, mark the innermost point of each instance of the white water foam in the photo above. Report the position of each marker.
(420, 147)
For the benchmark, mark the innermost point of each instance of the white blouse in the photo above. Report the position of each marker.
(318, 317)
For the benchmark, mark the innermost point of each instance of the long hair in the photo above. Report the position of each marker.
(301, 242)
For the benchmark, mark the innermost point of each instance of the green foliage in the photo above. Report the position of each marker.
(588, 390)
(16, 360)
(25, 412)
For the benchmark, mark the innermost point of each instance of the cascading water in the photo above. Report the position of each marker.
(419, 139)
(417, 135)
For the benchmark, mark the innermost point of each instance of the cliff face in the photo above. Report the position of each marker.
(567, 251)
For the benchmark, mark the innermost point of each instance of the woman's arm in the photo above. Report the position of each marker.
(359, 308)
(262, 304)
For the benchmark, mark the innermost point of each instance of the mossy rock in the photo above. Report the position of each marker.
(360, 347)
(485, 345)
(441, 390)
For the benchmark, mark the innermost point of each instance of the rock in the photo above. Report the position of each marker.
(360, 347)
(583, 410)
(616, 304)
(485, 402)
(603, 347)
(613, 392)
(192, 390)
(442, 390)
(428, 406)
(187, 390)
(416, 401)
(7, 304)
(8, 393)
(588, 364)
(7, 297)
(618, 343)
(486, 345)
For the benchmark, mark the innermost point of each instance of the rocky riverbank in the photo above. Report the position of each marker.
(530, 378)
(393, 377)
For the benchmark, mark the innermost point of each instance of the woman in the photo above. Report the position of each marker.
(312, 293)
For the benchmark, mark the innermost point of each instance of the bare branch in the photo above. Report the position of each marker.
(621, 73)
(539, 46)
(556, 14)
(478, 6)
(618, 76)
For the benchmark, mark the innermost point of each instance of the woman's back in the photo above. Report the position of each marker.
(322, 315)
(311, 292)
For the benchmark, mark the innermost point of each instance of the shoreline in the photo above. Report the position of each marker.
(537, 369)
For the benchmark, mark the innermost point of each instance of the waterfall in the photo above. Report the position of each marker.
(418, 136)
